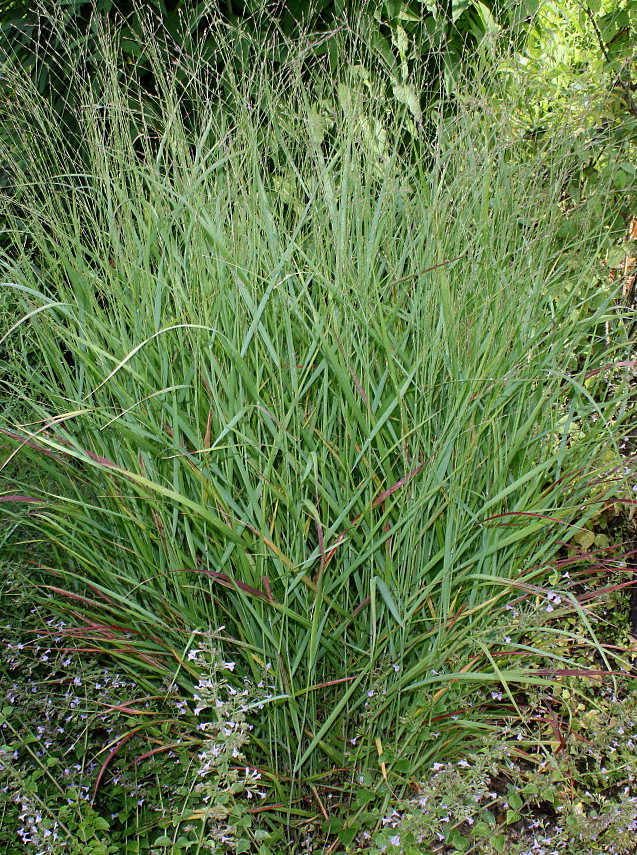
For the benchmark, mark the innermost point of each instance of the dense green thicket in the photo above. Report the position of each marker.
(319, 421)
(313, 394)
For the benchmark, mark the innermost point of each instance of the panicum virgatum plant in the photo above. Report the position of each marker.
(348, 392)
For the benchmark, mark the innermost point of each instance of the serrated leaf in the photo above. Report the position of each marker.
(347, 835)
(408, 15)
(530, 789)
(602, 541)
(406, 94)
(486, 16)
(584, 539)
(459, 842)
(458, 7)
(515, 801)
(316, 126)
(401, 40)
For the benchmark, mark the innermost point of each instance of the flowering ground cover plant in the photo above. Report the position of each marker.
(520, 796)
(309, 419)
(75, 777)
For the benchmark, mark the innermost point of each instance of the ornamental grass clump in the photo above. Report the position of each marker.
(339, 388)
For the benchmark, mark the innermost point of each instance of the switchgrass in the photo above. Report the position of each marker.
(337, 393)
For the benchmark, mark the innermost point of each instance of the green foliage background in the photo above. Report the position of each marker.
(401, 34)
(419, 50)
